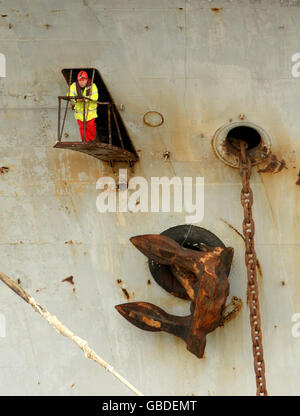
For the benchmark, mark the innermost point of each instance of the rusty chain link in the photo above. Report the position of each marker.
(251, 263)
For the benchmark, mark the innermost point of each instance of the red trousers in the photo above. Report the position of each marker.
(90, 129)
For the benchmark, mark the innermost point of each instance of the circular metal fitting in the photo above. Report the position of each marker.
(153, 118)
(225, 151)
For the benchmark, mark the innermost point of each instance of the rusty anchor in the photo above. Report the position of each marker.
(204, 277)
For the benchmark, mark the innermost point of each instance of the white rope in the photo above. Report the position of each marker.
(88, 352)
(63, 330)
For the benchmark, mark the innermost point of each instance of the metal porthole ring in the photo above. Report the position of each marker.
(149, 113)
(189, 236)
(257, 154)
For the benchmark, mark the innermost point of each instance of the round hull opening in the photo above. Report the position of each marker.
(225, 140)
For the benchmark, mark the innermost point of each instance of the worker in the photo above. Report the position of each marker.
(83, 88)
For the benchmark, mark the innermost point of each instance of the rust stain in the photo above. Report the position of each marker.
(284, 184)
(47, 25)
(119, 281)
(69, 169)
(126, 294)
(259, 269)
(151, 322)
(258, 265)
(216, 9)
(233, 228)
(181, 149)
(38, 290)
(69, 279)
(273, 165)
(10, 25)
(283, 283)
(149, 282)
(19, 281)
(71, 243)
(268, 196)
(4, 169)
(298, 181)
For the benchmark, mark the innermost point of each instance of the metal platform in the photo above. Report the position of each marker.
(118, 146)
(101, 151)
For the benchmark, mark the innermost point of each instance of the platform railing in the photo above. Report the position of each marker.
(111, 112)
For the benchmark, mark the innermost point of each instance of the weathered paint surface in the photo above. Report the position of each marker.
(199, 68)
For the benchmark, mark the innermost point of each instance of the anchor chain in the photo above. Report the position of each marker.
(251, 263)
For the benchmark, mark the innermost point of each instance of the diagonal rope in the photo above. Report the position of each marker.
(63, 330)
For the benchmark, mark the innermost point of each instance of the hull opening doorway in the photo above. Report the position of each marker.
(112, 142)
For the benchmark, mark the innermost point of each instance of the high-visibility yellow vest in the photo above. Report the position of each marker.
(90, 107)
